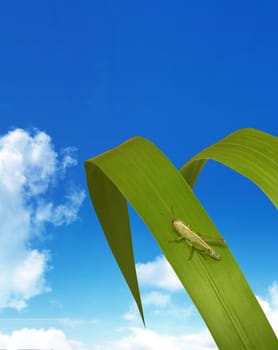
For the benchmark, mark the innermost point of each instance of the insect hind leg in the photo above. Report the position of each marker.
(191, 253)
(176, 240)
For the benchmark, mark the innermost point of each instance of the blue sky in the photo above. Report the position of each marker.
(77, 80)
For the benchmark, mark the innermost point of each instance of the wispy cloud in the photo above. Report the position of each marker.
(136, 338)
(164, 307)
(158, 274)
(29, 169)
(270, 306)
(132, 338)
(145, 339)
(68, 158)
(163, 314)
(39, 339)
(60, 214)
(156, 299)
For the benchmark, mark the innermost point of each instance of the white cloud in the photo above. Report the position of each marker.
(132, 315)
(270, 306)
(39, 339)
(137, 338)
(159, 274)
(157, 299)
(26, 281)
(150, 339)
(145, 339)
(29, 168)
(161, 313)
(273, 292)
(164, 309)
(69, 158)
(27, 163)
(60, 214)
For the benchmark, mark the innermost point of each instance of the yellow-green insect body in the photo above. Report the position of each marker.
(196, 240)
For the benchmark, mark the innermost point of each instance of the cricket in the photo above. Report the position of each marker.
(196, 241)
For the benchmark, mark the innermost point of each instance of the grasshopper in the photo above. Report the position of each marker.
(196, 241)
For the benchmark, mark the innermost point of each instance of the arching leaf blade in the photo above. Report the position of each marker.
(152, 185)
(111, 209)
(250, 152)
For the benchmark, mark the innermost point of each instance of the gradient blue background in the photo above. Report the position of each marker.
(183, 74)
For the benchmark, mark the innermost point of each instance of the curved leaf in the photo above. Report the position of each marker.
(250, 152)
(139, 172)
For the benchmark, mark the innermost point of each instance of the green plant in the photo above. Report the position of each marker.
(138, 172)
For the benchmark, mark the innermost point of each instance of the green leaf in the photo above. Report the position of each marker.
(137, 171)
(250, 152)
